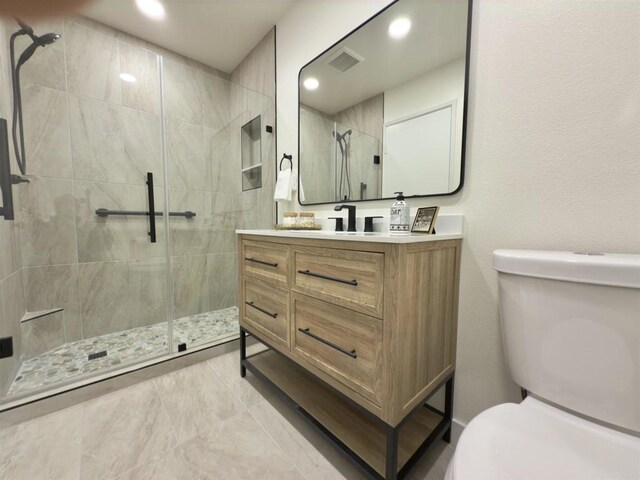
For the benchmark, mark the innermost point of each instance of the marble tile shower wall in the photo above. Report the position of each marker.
(12, 303)
(318, 149)
(366, 120)
(91, 138)
(367, 117)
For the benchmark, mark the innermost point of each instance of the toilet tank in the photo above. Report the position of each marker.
(571, 330)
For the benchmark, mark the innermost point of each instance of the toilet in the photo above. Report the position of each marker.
(571, 335)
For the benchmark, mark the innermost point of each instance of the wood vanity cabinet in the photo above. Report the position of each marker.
(360, 334)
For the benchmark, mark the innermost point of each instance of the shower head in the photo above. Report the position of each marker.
(48, 38)
(339, 136)
(41, 41)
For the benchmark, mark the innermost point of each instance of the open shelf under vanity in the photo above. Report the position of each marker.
(360, 435)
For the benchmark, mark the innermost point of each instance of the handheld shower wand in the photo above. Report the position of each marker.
(345, 167)
(41, 41)
(37, 41)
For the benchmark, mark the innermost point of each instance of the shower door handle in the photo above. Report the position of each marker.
(152, 210)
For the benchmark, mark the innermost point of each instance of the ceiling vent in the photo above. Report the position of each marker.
(344, 59)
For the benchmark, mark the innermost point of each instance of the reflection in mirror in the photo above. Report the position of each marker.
(383, 110)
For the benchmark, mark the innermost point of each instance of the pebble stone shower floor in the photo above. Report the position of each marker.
(71, 359)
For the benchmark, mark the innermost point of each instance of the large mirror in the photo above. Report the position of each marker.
(384, 109)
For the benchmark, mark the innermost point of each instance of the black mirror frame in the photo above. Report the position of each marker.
(464, 113)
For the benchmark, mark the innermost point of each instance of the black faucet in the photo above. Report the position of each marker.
(351, 222)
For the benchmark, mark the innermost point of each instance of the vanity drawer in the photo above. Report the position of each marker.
(266, 308)
(268, 261)
(349, 278)
(342, 343)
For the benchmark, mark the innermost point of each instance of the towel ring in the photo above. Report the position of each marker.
(286, 157)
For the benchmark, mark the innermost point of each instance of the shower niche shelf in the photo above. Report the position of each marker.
(28, 316)
(251, 147)
(252, 167)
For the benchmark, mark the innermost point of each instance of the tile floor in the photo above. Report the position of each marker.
(70, 360)
(202, 422)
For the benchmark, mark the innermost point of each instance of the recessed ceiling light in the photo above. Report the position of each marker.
(311, 83)
(127, 77)
(400, 27)
(151, 8)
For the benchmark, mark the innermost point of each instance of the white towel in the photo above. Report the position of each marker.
(283, 186)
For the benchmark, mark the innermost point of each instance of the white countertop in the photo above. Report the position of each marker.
(448, 226)
(376, 237)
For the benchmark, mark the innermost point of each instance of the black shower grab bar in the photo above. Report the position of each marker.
(103, 212)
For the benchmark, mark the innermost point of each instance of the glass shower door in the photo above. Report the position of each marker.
(220, 158)
(89, 293)
(139, 170)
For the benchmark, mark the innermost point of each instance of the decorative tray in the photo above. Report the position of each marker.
(297, 226)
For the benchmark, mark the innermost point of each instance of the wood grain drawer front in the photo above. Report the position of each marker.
(345, 344)
(266, 308)
(268, 261)
(345, 277)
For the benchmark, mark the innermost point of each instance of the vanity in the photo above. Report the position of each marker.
(361, 331)
(361, 327)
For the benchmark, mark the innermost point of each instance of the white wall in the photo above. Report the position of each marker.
(553, 147)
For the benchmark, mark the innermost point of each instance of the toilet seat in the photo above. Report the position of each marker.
(534, 440)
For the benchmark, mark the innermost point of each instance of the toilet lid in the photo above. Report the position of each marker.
(533, 440)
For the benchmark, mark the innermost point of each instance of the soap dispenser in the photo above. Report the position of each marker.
(399, 216)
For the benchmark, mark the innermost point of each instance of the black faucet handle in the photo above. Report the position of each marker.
(339, 223)
(368, 223)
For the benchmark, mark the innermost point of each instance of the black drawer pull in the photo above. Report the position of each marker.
(351, 353)
(261, 262)
(272, 315)
(326, 277)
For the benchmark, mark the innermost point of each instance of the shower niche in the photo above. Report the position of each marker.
(251, 148)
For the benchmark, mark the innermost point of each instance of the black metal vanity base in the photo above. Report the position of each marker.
(262, 366)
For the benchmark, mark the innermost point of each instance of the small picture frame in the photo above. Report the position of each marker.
(425, 220)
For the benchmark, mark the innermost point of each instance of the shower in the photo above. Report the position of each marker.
(37, 41)
(91, 294)
(344, 143)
